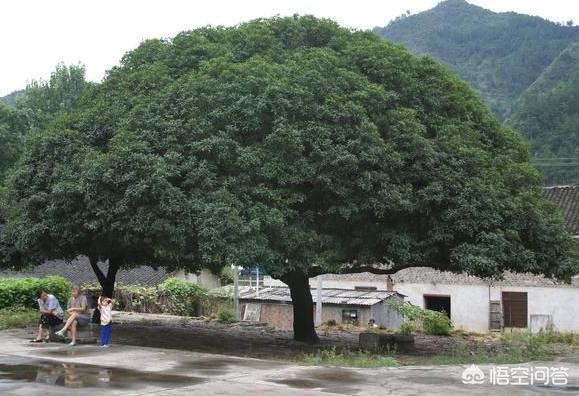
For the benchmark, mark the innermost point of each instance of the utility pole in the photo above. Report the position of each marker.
(257, 281)
(236, 291)
(319, 301)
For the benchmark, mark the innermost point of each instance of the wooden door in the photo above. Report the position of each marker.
(515, 309)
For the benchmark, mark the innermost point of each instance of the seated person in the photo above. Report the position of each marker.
(51, 314)
(78, 314)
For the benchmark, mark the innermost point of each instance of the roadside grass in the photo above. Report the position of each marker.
(544, 337)
(462, 355)
(17, 318)
(516, 347)
(347, 358)
(508, 348)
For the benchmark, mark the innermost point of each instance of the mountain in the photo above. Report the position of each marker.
(500, 54)
(10, 99)
(547, 114)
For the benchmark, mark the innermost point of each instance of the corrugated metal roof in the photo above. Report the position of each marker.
(329, 296)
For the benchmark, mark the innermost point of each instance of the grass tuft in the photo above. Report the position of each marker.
(359, 359)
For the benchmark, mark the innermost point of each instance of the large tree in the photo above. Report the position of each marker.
(292, 143)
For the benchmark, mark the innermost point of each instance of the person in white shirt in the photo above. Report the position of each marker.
(105, 306)
(51, 314)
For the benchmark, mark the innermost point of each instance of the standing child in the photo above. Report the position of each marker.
(105, 306)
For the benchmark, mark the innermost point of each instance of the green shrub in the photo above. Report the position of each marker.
(436, 323)
(226, 316)
(226, 275)
(21, 292)
(182, 297)
(431, 322)
(406, 328)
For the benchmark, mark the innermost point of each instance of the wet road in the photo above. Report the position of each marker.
(53, 369)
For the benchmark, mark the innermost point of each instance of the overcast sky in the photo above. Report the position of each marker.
(37, 34)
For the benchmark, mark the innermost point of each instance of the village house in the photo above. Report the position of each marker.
(475, 304)
(273, 305)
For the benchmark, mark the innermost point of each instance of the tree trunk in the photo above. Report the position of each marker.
(107, 281)
(303, 306)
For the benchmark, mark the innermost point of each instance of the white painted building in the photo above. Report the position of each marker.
(475, 304)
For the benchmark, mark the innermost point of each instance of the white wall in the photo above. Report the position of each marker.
(469, 304)
(204, 278)
(562, 303)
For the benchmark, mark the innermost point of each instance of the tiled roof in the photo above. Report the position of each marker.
(567, 199)
(329, 296)
(429, 275)
(80, 272)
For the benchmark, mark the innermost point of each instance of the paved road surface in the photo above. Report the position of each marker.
(54, 369)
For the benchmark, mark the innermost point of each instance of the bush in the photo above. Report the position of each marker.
(226, 275)
(436, 323)
(183, 297)
(406, 328)
(226, 316)
(21, 292)
(431, 322)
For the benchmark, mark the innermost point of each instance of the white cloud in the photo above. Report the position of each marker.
(37, 34)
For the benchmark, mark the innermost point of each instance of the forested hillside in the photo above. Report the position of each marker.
(548, 115)
(10, 99)
(500, 54)
(524, 67)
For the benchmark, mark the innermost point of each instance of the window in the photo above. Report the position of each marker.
(438, 303)
(350, 316)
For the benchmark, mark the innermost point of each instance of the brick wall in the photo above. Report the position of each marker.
(281, 315)
(334, 312)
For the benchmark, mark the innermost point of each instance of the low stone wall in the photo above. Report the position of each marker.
(387, 342)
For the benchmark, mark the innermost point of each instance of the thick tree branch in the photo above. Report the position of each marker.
(98, 272)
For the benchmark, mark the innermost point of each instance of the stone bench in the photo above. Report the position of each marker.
(88, 334)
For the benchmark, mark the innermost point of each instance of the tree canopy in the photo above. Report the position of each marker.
(13, 128)
(44, 101)
(292, 143)
(26, 115)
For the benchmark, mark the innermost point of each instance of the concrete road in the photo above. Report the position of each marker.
(54, 369)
